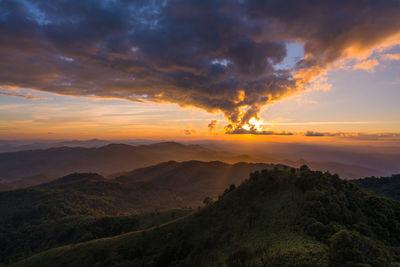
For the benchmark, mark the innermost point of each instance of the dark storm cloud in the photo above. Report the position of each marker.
(216, 55)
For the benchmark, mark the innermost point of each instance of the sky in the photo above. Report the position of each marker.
(228, 70)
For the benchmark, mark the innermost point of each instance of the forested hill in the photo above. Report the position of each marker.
(275, 218)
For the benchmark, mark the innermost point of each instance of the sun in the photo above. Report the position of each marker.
(253, 124)
(256, 124)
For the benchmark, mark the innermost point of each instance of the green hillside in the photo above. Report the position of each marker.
(32, 238)
(275, 218)
(65, 210)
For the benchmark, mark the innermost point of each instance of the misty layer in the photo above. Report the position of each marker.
(215, 55)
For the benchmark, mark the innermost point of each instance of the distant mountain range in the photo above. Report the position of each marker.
(106, 160)
(15, 146)
(32, 167)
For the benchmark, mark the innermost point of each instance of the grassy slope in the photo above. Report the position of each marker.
(85, 196)
(29, 239)
(87, 207)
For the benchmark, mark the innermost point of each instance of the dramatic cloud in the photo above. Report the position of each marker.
(215, 55)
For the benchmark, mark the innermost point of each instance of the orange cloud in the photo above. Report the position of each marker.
(367, 65)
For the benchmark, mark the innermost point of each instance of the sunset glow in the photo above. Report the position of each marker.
(256, 83)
